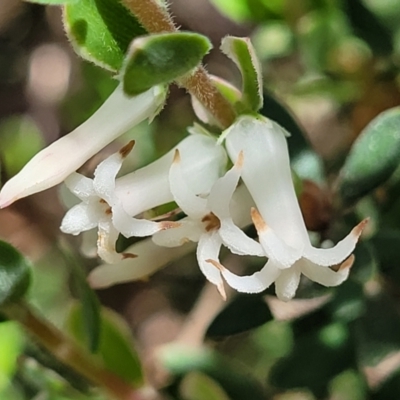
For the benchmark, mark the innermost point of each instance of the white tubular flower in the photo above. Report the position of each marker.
(110, 205)
(54, 163)
(149, 258)
(209, 220)
(279, 222)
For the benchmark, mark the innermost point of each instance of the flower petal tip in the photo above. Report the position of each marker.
(124, 151)
(239, 161)
(177, 157)
(358, 229)
(258, 220)
(347, 264)
(220, 286)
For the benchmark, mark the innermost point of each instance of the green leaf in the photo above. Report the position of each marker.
(116, 348)
(90, 318)
(52, 2)
(377, 333)
(162, 58)
(373, 158)
(198, 386)
(101, 31)
(242, 53)
(234, 379)
(21, 139)
(15, 274)
(243, 313)
(315, 359)
(368, 27)
(11, 344)
(387, 249)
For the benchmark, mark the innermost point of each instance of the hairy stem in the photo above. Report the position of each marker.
(66, 351)
(156, 19)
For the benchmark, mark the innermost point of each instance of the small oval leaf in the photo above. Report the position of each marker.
(373, 158)
(242, 53)
(15, 274)
(101, 30)
(243, 313)
(199, 386)
(234, 379)
(116, 348)
(162, 58)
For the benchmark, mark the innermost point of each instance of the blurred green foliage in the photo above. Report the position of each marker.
(344, 51)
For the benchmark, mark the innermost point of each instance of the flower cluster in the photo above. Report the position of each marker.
(217, 206)
(214, 218)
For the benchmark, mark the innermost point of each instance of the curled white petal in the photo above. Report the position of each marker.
(324, 276)
(130, 226)
(80, 186)
(150, 258)
(189, 230)
(53, 164)
(222, 191)
(82, 217)
(255, 283)
(287, 283)
(274, 247)
(208, 249)
(338, 253)
(237, 241)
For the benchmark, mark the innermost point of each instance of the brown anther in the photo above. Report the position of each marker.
(108, 211)
(128, 255)
(102, 201)
(124, 151)
(347, 263)
(212, 222)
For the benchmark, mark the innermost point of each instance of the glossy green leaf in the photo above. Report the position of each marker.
(319, 33)
(199, 386)
(315, 358)
(162, 58)
(373, 158)
(21, 139)
(242, 53)
(11, 345)
(52, 2)
(366, 264)
(387, 249)
(90, 318)
(116, 348)
(368, 27)
(234, 379)
(101, 31)
(243, 313)
(348, 302)
(15, 274)
(377, 333)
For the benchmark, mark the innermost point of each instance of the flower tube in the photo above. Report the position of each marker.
(110, 205)
(278, 219)
(54, 163)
